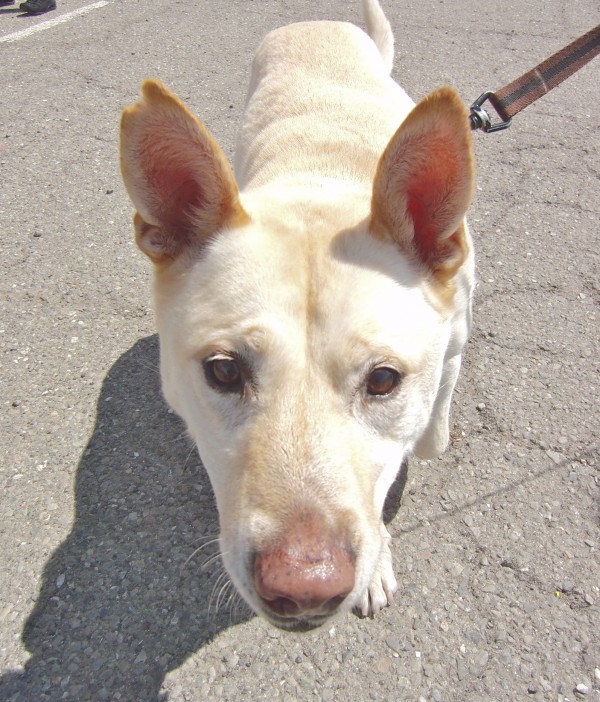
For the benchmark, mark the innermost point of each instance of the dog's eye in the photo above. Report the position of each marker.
(224, 374)
(382, 381)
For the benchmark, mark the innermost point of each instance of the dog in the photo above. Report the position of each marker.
(312, 309)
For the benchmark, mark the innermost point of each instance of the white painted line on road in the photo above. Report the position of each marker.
(24, 33)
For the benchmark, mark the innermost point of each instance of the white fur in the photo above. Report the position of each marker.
(311, 297)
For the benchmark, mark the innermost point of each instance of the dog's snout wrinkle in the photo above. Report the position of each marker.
(305, 573)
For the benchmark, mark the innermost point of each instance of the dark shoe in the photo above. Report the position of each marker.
(36, 7)
(6, 2)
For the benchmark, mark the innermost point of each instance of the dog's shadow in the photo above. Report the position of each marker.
(118, 605)
(393, 500)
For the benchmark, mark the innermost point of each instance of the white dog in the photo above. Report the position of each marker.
(312, 309)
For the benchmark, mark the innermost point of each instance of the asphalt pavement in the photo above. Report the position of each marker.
(104, 502)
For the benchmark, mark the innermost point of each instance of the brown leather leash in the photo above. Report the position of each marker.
(515, 96)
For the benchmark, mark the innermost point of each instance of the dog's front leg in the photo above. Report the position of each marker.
(383, 585)
(434, 440)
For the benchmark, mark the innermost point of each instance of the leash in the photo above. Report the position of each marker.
(516, 96)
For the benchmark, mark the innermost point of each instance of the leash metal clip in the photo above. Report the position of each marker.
(480, 119)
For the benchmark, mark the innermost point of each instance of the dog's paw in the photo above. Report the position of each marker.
(383, 585)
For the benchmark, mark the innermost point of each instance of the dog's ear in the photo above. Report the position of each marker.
(424, 184)
(176, 175)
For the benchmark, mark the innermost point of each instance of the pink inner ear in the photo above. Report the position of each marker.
(424, 201)
(173, 186)
(180, 194)
(428, 203)
(424, 237)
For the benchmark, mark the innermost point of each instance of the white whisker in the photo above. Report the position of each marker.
(196, 551)
(151, 366)
(192, 449)
(209, 561)
(213, 539)
(222, 593)
(218, 584)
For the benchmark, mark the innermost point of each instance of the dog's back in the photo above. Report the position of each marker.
(320, 94)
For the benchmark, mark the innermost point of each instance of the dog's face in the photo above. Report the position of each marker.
(303, 337)
(303, 403)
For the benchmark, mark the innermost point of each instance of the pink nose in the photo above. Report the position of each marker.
(305, 572)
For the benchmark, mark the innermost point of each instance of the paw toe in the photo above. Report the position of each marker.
(380, 592)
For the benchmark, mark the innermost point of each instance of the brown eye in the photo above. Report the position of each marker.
(382, 381)
(224, 374)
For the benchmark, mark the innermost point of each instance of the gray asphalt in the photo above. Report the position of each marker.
(496, 543)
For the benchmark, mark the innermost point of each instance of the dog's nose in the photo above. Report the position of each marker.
(306, 572)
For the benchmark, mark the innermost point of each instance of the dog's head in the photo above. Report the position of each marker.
(303, 332)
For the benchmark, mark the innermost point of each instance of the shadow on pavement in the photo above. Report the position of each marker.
(117, 609)
(393, 501)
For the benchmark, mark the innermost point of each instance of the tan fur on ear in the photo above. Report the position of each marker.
(424, 184)
(176, 175)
